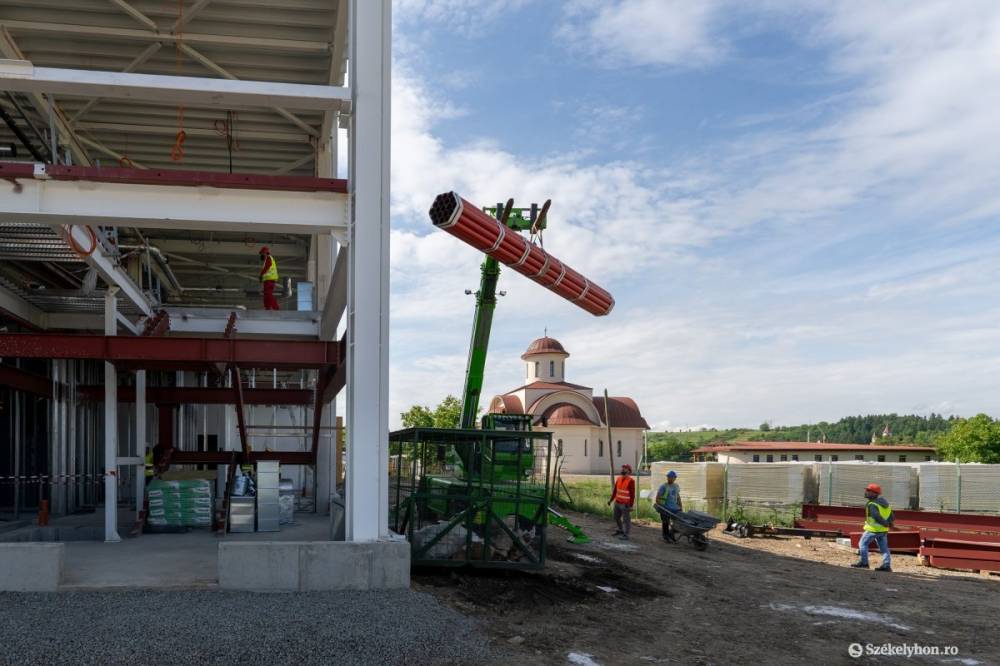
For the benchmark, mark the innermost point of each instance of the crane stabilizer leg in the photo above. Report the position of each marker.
(559, 520)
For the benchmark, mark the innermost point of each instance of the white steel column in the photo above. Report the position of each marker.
(110, 425)
(368, 285)
(140, 438)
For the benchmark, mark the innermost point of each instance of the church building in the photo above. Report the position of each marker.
(574, 416)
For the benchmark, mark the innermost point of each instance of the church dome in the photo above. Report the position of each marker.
(564, 413)
(544, 345)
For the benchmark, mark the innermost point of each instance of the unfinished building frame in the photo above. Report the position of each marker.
(156, 147)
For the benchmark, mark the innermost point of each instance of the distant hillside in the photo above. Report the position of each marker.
(907, 429)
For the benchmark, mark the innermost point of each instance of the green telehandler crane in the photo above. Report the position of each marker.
(532, 220)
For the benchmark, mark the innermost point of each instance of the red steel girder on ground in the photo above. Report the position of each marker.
(899, 541)
(904, 519)
(19, 380)
(939, 562)
(14, 170)
(173, 353)
(197, 395)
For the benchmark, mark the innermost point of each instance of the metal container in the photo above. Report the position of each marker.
(286, 502)
(241, 514)
(267, 496)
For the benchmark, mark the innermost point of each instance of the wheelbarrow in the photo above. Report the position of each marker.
(692, 525)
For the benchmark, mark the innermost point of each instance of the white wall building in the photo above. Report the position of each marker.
(773, 452)
(572, 414)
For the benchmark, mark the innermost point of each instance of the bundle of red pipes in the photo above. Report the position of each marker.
(467, 222)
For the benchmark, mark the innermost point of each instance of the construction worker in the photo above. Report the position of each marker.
(268, 278)
(669, 497)
(878, 520)
(623, 496)
(149, 465)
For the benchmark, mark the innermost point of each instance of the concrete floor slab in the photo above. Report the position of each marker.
(188, 560)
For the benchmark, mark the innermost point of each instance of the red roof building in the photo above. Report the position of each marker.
(574, 416)
(744, 452)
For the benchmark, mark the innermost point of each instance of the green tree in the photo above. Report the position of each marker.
(765, 426)
(972, 440)
(417, 416)
(448, 414)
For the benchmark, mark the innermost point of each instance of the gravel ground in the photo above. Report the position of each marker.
(146, 627)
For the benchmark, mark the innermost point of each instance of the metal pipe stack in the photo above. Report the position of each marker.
(467, 222)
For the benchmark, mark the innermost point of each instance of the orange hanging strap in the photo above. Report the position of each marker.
(177, 152)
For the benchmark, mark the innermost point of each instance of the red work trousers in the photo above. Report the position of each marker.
(270, 302)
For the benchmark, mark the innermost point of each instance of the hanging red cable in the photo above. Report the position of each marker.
(177, 152)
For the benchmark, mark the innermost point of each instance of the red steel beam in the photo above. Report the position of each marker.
(196, 395)
(899, 542)
(157, 325)
(166, 426)
(906, 519)
(323, 381)
(962, 563)
(240, 416)
(178, 178)
(174, 353)
(19, 380)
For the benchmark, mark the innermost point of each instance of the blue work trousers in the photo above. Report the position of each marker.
(882, 539)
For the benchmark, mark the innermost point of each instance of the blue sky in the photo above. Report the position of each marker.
(794, 203)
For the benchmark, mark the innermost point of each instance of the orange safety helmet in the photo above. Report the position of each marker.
(265, 250)
(628, 467)
(874, 488)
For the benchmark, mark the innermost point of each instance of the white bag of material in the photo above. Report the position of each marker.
(701, 484)
(450, 543)
(965, 487)
(843, 483)
(770, 483)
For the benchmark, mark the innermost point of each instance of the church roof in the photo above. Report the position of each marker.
(564, 413)
(507, 404)
(622, 412)
(544, 345)
(555, 386)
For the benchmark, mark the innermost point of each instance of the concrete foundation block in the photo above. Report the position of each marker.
(335, 565)
(264, 566)
(318, 565)
(31, 567)
(391, 565)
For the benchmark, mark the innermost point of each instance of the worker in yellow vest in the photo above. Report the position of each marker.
(149, 465)
(268, 278)
(878, 521)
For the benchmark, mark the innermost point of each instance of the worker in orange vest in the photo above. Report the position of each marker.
(623, 496)
(268, 278)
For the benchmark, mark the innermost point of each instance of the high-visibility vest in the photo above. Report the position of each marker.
(149, 464)
(622, 495)
(271, 275)
(870, 524)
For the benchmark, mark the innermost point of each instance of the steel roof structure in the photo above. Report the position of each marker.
(148, 149)
(292, 42)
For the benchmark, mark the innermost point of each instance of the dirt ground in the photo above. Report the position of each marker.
(742, 601)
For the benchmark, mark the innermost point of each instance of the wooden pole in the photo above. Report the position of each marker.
(611, 450)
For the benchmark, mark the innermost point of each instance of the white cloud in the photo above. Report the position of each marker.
(677, 33)
(719, 322)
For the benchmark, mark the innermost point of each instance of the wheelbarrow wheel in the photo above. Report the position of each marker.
(699, 541)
